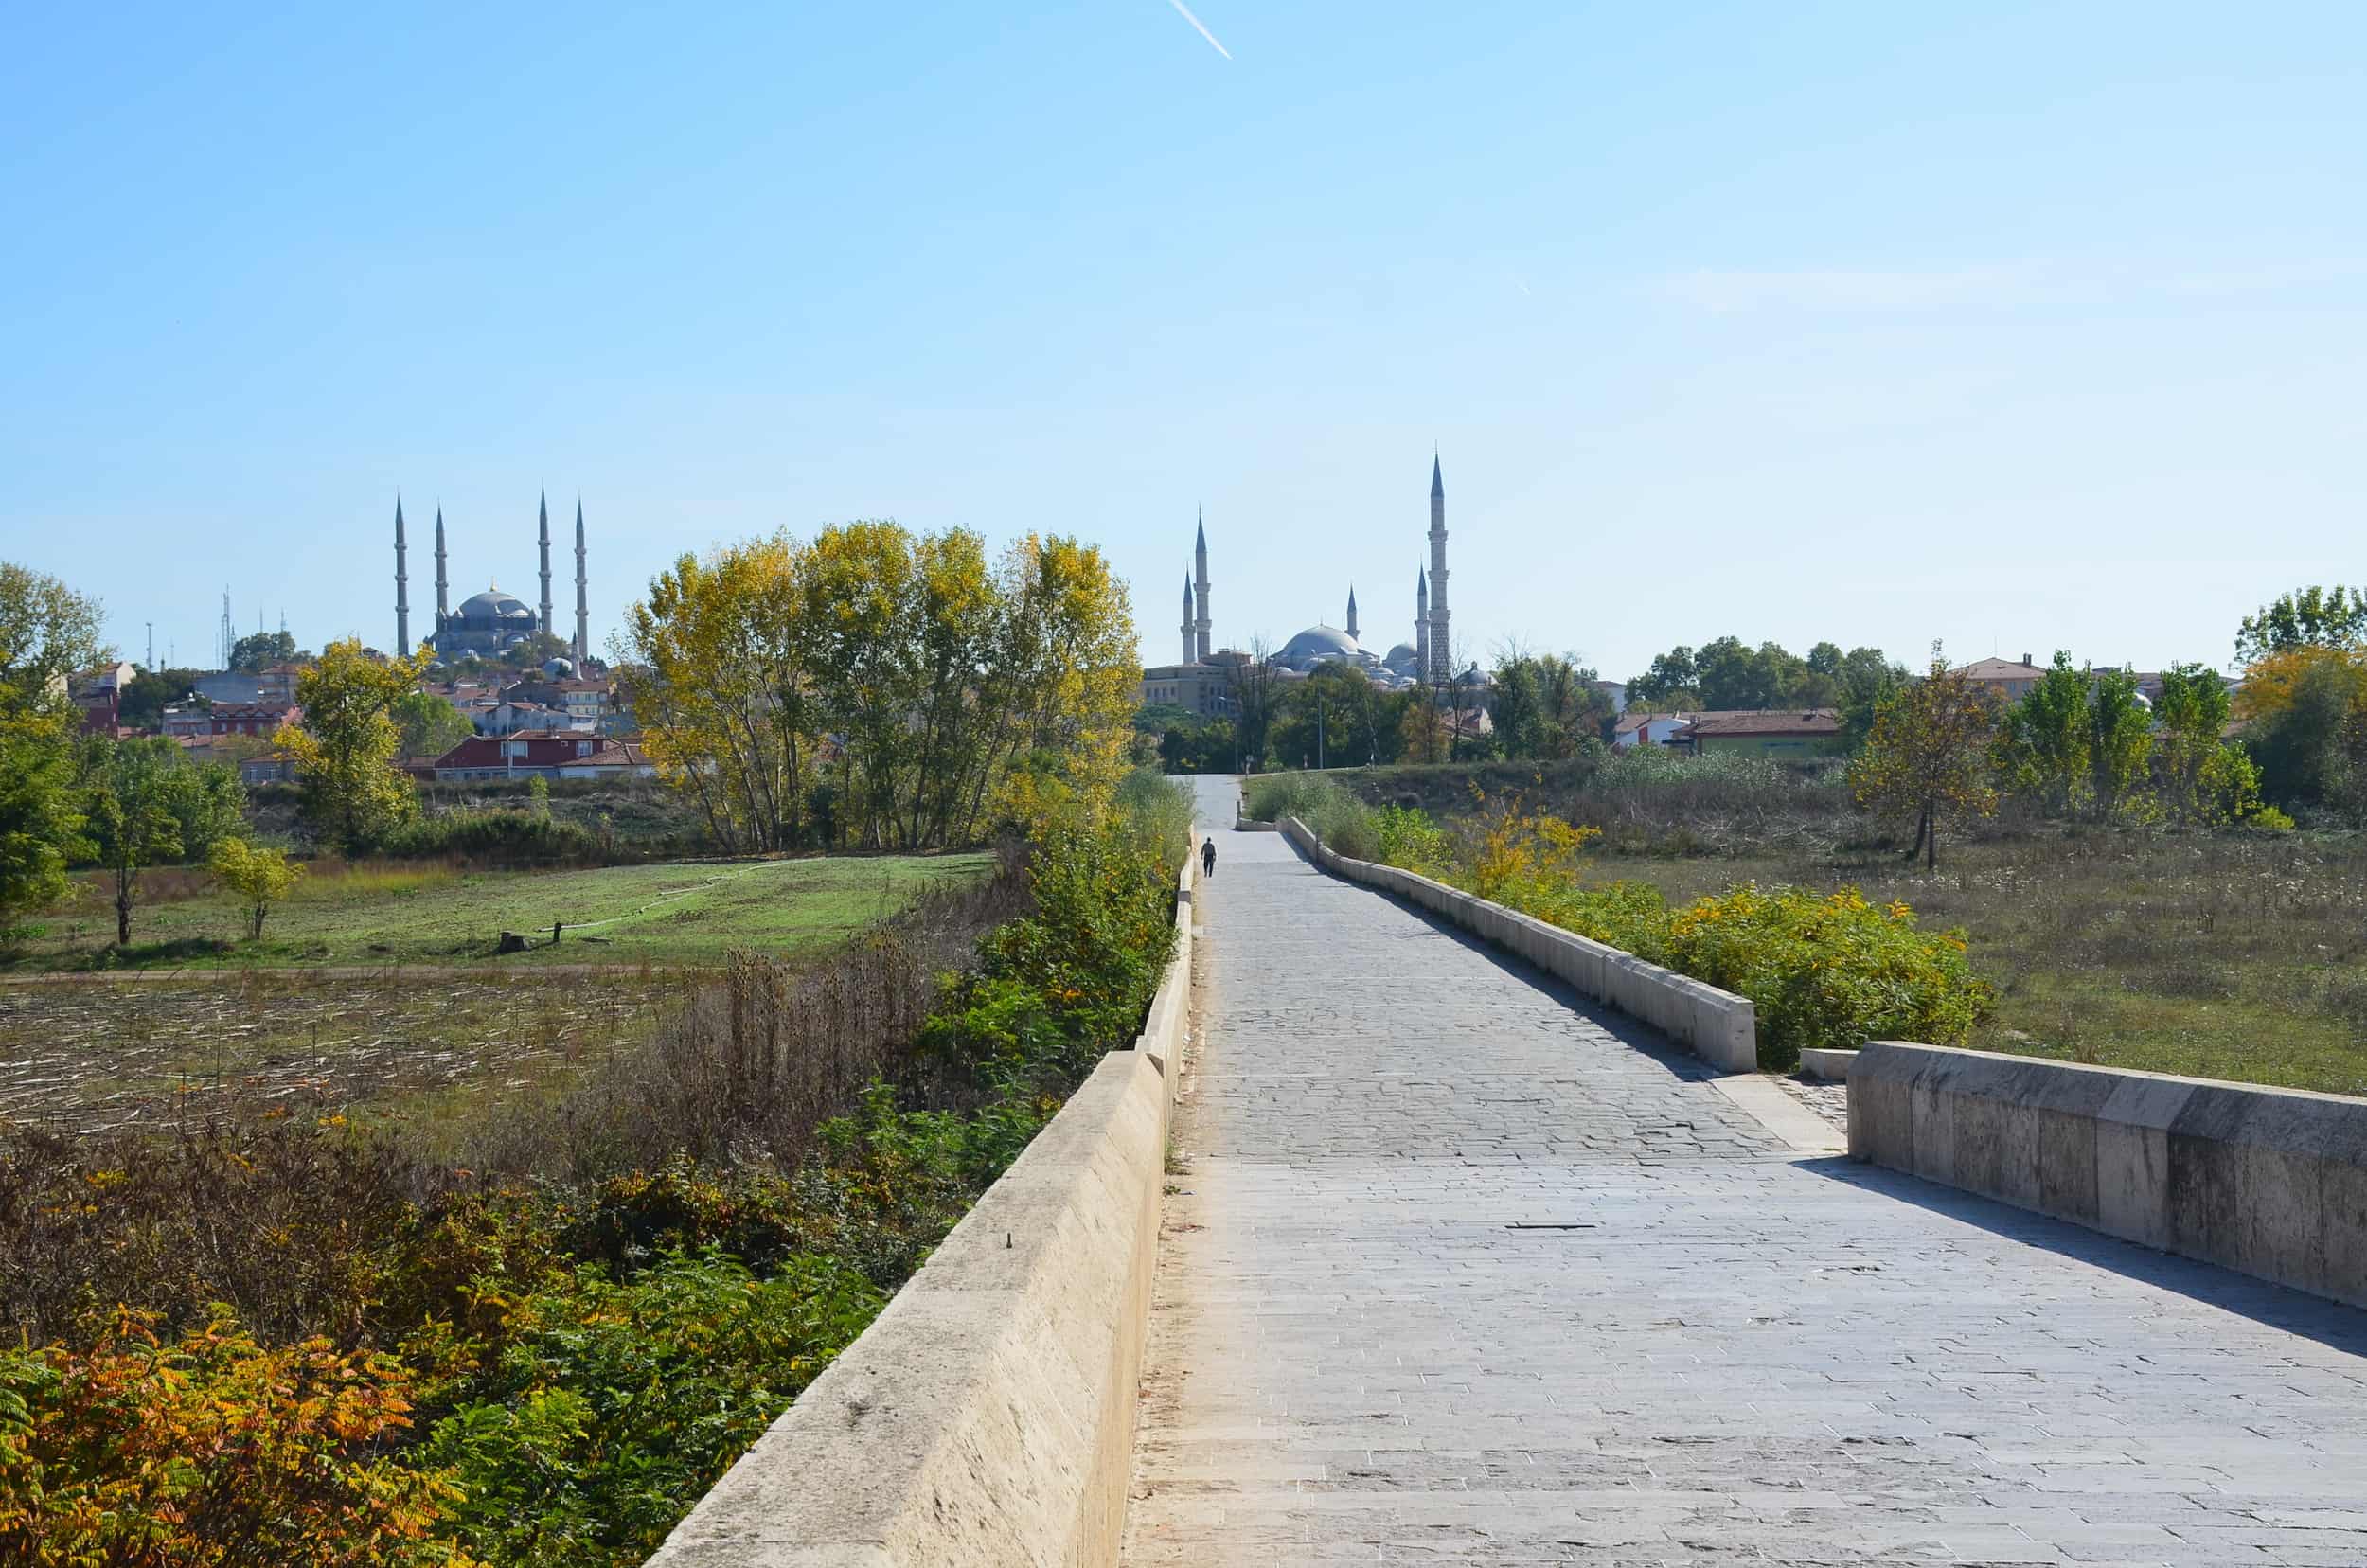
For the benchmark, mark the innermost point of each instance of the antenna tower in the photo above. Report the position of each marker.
(229, 631)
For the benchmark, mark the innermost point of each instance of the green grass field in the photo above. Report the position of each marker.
(686, 914)
(2240, 957)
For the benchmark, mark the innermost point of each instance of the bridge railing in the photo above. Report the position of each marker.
(986, 1416)
(1715, 1025)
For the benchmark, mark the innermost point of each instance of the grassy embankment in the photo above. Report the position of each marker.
(676, 914)
(2235, 956)
(460, 1035)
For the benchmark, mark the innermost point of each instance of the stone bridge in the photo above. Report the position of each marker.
(1457, 1268)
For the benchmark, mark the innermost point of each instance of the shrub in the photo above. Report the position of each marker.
(1829, 971)
(1821, 971)
(1344, 824)
(502, 837)
(210, 1450)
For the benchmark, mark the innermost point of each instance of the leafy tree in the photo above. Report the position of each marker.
(2306, 723)
(47, 631)
(141, 703)
(2045, 740)
(148, 805)
(1671, 683)
(2120, 746)
(1927, 757)
(430, 727)
(2332, 617)
(2201, 778)
(256, 876)
(346, 751)
(260, 650)
(1547, 706)
(1866, 678)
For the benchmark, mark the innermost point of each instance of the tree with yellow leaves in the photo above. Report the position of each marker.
(1927, 756)
(346, 750)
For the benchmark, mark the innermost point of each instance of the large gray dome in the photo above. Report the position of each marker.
(1317, 643)
(493, 607)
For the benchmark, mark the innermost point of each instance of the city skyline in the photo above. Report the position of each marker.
(2010, 328)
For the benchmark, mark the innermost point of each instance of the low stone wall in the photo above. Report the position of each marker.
(986, 1416)
(1718, 1027)
(2267, 1182)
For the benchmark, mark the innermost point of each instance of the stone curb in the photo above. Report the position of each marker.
(2271, 1182)
(1718, 1027)
(986, 1416)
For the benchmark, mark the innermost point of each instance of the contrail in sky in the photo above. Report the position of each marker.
(1185, 12)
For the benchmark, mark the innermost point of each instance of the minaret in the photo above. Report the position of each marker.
(443, 609)
(1421, 624)
(1351, 610)
(1189, 657)
(1200, 558)
(543, 625)
(583, 597)
(1441, 643)
(402, 591)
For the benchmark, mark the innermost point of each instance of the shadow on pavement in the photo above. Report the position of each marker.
(2278, 1307)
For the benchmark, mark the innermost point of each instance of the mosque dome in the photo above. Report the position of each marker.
(558, 670)
(495, 608)
(1316, 643)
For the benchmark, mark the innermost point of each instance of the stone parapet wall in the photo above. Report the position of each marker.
(986, 1416)
(2267, 1182)
(1718, 1027)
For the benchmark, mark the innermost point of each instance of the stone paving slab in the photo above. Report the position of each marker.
(1458, 1271)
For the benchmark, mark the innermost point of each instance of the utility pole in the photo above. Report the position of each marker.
(1319, 732)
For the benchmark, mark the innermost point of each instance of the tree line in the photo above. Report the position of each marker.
(881, 688)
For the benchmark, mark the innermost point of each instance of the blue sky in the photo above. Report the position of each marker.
(2018, 326)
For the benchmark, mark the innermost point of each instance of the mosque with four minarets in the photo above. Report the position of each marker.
(1201, 678)
(492, 623)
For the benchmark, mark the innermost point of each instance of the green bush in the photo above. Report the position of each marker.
(1827, 971)
(1821, 970)
(531, 837)
(1345, 824)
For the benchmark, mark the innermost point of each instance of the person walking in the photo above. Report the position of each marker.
(1209, 858)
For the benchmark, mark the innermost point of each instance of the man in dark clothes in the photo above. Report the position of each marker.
(1209, 858)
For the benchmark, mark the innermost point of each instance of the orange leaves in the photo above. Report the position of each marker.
(208, 1451)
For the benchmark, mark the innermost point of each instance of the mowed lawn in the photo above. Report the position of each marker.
(2239, 957)
(684, 913)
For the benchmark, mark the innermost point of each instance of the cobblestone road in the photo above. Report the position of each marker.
(1457, 1270)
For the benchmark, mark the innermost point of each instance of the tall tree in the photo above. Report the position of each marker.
(2046, 741)
(148, 805)
(1926, 758)
(347, 749)
(2120, 746)
(260, 650)
(2314, 617)
(2203, 777)
(428, 725)
(48, 632)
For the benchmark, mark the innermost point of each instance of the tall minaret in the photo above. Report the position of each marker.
(1441, 643)
(583, 599)
(402, 591)
(1189, 657)
(1351, 610)
(1200, 559)
(1421, 624)
(443, 609)
(543, 625)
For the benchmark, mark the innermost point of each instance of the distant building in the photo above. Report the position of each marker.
(257, 719)
(2008, 678)
(1783, 733)
(491, 622)
(185, 721)
(1206, 690)
(572, 754)
(1646, 729)
(100, 696)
